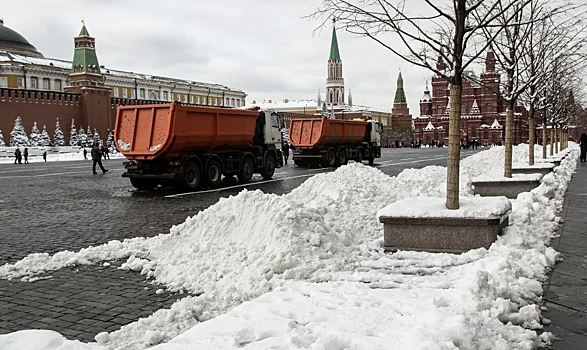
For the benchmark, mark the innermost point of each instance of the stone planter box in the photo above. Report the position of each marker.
(476, 224)
(538, 168)
(507, 187)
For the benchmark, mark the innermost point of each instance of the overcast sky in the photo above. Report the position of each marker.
(263, 47)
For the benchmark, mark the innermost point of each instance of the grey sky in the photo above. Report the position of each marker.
(263, 47)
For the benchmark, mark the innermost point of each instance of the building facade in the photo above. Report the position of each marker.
(42, 89)
(483, 110)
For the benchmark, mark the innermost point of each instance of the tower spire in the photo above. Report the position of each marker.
(400, 95)
(335, 81)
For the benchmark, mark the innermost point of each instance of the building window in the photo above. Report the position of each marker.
(488, 107)
(133, 94)
(232, 102)
(124, 93)
(238, 103)
(185, 99)
(191, 99)
(34, 83)
(178, 97)
(57, 85)
(384, 121)
(435, 136)
(142, 93)
(20, 83)
(473, 132)
(115, 90)
(45, 84)
(439, 109)
(3, 82)
(485, 135)
(165, 96)
(215, 102)
(197, 100)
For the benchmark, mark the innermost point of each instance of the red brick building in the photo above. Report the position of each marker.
(483, 110)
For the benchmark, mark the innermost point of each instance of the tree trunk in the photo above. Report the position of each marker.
(509, 125)
(544, 140)
(552, 136)
(531, 139)
(454, 148)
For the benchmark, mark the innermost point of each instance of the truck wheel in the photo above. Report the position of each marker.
(360, 155)
(331, 158)
(342, 157)
(192, 176)
(143, 184)
(213, 173)
(247, 170)
(269, 168)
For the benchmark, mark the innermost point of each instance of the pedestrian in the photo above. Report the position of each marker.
(285, 150)
(97, 158)
(106, 153)
(17, 156)
(26, 155)
(103, 152)
(45, 156)
(583, 143)
(85, 154)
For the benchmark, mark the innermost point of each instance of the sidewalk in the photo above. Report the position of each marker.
(566, 289)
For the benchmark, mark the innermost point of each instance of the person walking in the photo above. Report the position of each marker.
(45, 156)
(97, 158)
(85, 154)
(17, 156)
(106, 153)
(285, 150)
(26, 155)
(583, 144)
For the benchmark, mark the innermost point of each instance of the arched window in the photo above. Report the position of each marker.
(488, 107)
(439, 109)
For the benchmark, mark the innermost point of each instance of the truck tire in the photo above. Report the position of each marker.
(213, 173)
(269, 168)
(144, 184)
(360, 155)
(192, 176)
(247, 170)
(341, 156)
(331, 158)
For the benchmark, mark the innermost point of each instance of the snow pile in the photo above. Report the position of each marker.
(327, 231)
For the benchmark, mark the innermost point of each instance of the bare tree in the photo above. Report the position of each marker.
(442, 38)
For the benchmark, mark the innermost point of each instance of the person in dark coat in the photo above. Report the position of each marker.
(17, 156)
(106, 153)
(45, 156)
(85, 154)
(583, 143)
(97, 158)
(285, 150)
(26, 155)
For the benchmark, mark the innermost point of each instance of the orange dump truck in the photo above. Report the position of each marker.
(187, 146)
(332, 142)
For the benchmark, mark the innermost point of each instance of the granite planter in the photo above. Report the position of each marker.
(507, 187)
(476, 224)
(538, 168)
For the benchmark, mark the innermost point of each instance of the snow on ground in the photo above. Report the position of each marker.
(307, 270)
(54, 154)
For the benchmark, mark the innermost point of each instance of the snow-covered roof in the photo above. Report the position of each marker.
(429, 126)
(496, 125)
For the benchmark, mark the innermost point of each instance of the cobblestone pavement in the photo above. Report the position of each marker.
(56, 206)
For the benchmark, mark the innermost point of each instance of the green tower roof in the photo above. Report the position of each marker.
(85, 60)
(334, 54)
(400, 95)
(84, 31)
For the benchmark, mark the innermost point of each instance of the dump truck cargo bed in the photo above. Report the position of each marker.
(145, 132)
(323, 132)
